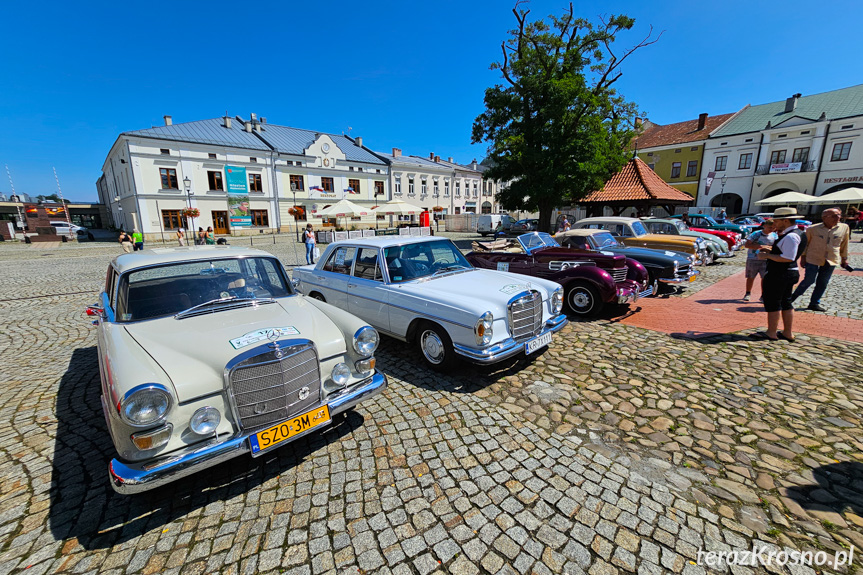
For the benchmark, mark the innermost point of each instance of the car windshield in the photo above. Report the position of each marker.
(604, 240)
(638, 228)
(681, 226)
(537, 240)
(709, 220)
(423, 259)
(171, 288)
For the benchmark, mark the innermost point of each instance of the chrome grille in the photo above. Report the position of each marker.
(267, 388)
(619, 275)
(683, 271)
(525, 316)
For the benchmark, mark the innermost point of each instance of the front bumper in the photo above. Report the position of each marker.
(680, 279)
(508, 347)
(128, 478)
(630, 293)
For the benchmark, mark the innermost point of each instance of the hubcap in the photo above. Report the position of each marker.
(432, 347)
(580, 300)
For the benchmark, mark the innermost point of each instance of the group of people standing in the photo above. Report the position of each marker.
(135, 240)
(776, 253)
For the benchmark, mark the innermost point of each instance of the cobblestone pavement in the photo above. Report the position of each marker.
(618, 450)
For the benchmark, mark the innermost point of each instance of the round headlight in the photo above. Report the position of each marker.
(340, 374)
(557, 300)
(205, 420)
(145, 405)
(366, 340)
(483, 329)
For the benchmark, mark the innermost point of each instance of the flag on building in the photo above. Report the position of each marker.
(351, 191)
(316, 188)
(708, 181)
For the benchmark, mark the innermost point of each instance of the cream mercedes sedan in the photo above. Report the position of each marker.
(207, 353)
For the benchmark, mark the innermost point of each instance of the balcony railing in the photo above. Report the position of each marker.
(764, 169)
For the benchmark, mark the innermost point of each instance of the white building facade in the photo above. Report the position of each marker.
(156, 179)
(809, 145)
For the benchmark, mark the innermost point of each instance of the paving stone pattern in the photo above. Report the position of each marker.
(619, 450)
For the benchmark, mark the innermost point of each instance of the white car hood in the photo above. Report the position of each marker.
(459, 288)
(194, 351)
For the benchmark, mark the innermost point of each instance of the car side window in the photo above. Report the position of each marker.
(578, 242)
(367, 266)
(341, 260)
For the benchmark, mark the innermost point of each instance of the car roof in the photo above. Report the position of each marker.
(661, 220)
(151, 257)
(387, 241)
(615, 219)
(583, 232)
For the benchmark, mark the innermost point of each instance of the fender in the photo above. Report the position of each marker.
(587, 271)
(636, 271)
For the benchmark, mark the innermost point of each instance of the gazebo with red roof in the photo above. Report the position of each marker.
(635, 186)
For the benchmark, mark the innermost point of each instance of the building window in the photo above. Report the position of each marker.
(804, 132)
(255, 184)
(169, 178)
(260, 219)
(745, 162)
(359, 169)
(171, 219)
(354, 185)
(410, 186)
(747, 140)
(652, 166)
(675, 170)
(721, 162)
(847, 127)
(475, 190)
(253, 160)
(350, 168)
(379, 188)
(297, 183)
(840, 152)
(446, 188)
(214, 179)
(800, 155)
(424, 187)
(782, 136)
(677, 151)
(691, 168)
(436, 189)
(398, 186)
(777, 157)
(649, 153)
(212, 156)
(458, 189)
(165, 151)
(693, 149)
(327, 184)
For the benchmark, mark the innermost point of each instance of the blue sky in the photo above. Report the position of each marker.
(400, 74)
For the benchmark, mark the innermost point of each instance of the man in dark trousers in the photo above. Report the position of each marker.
(782, 274)
(827, 247)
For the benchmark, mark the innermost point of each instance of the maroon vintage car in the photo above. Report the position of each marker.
(590, 280)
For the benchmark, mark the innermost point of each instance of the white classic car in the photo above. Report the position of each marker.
(422, 290)
(207, 353)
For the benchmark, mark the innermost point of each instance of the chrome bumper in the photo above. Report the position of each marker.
(129, 478)
(680, 280)
(647, 292)
(508, 347)
(730, 254)
(625, 296)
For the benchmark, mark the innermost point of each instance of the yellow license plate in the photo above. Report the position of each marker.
(272, 436)
(692, 278)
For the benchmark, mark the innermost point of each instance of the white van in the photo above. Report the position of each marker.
(487, 223)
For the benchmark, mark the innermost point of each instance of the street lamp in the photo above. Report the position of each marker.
(723, 179)
(188, 184)
(294, 207)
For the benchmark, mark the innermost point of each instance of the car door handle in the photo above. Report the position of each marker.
(352, 285)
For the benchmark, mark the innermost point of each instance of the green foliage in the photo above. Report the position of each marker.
(557, 129)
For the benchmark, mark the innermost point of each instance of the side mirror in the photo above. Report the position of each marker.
(95, 310)
(296, 283)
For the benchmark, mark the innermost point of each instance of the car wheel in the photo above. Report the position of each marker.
(317, 296)
(435, 346)
(583, 300)
(90, 236)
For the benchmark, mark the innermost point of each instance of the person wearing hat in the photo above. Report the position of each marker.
(826, 247)
(782, 274)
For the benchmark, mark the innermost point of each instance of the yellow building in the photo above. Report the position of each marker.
(675, 151)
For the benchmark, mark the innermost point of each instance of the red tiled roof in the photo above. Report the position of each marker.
(679, 133)
(636, 183)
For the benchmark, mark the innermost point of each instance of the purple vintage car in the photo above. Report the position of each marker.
(590, 280)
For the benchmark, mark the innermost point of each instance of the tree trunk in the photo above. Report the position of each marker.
(545, 223)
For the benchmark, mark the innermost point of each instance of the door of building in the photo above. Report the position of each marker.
(220, 222)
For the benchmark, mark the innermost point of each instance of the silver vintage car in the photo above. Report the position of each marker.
(422, 290)
(207, 353)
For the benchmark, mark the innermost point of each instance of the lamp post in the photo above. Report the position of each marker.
(294, 207)
(723, 179)
(188, 184)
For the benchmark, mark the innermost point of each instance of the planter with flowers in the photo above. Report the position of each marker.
(191, 213)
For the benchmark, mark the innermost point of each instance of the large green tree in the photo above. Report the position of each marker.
(557, 128)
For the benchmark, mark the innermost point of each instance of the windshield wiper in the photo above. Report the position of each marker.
(224, 300)
(449, 269)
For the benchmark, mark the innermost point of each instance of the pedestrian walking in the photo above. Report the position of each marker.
(827, 247)
(126, 241)
(782, 273)
(181, 237)
(137, 239)
(754, 266)
(210, 237)
(201, 239)
(309, 240)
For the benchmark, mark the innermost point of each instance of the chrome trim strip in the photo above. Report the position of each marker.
(508, 347)
(129, 478)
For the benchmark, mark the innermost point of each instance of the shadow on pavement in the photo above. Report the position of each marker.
(840, 487)
(83, 504)
(712, 338)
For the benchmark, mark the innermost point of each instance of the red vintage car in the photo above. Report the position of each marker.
(590, 280)
(733, 239)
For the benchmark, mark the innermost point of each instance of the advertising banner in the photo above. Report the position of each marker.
(708, 181)
(238, 196)
(785, 168)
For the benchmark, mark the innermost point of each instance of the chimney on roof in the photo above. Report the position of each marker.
(637, 123)
(449, 160)
(168, 120)
(473, 164)
(248, 127)
(228, 122)
(397, 153)
(791, 103)
(263, 120)
(437, 158)
(359, 141)
(702, 121)
(431, 155)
